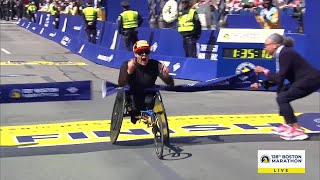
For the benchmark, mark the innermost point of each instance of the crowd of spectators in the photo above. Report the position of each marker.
(213, 13)
(15, 9)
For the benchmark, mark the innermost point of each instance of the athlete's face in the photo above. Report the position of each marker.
(142, 57)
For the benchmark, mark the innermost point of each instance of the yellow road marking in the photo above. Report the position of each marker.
(91, 131)
(42, 63)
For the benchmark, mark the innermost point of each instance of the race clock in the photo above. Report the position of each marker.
(245, 53)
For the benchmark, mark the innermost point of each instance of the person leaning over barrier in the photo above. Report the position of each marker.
(141, 73)
(303, 80)
(128, 22)
(189, 27)
(90, 19)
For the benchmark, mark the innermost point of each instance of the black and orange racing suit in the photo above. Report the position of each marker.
(142, 78)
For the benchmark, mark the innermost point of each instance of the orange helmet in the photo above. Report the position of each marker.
(141, 45)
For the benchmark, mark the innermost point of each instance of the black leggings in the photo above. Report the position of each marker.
(91, 31)
(297, 90)
(130, 37)
(190, 46)
(140, 102)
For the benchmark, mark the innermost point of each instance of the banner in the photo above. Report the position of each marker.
(230, 35)
(235, 82)
(44, 92)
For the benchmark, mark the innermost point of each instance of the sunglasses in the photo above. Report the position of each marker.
(142, 52)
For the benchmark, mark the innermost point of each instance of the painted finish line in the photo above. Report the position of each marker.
(43, 63)
(93, 131)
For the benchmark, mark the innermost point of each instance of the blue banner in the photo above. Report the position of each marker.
(235, 82)
(43, 92)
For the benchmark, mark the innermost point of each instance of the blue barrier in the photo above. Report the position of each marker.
(35, 28)
(312, 30)
(44, 92)
(73, 39)
(166, 45)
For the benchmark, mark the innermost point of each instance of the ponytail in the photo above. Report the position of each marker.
(288, 41)
(282, 40)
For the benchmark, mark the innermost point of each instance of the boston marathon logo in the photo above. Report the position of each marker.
(244, 67)
(15, 93)
(265, 159)
(281, 161)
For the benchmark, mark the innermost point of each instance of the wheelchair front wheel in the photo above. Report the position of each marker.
(117, 116)
(162, 117)
(158, 133)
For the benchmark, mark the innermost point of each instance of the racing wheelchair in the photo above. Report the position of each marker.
(155, 118)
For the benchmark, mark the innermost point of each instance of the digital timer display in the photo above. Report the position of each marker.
(246, 53)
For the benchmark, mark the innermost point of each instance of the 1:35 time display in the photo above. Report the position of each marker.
(246, 53)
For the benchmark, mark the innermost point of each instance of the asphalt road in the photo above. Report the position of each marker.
(217, 157)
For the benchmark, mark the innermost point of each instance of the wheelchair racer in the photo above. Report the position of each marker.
(141, 73)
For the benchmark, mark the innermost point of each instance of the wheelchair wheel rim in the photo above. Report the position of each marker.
(116, 119)
(162, 116)
(158, 138)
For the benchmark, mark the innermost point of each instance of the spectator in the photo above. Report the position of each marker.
(101, 12)
(204, 11)
(234, 6)
(269, 16)
(75, 9)
(67, 9)
(170, 13)
(19, 9)
(153, 14)
(46, 6)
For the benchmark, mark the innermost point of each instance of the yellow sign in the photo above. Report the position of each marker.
(93, 131)
(43, 63)
(281, 170)
(281, 161)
